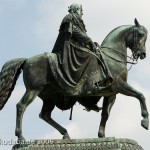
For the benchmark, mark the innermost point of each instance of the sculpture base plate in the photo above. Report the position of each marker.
(109, 143)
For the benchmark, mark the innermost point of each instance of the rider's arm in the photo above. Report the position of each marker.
(83, 38)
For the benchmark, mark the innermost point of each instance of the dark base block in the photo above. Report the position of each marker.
(109, 143)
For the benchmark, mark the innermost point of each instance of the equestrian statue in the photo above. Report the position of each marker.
(77, 70)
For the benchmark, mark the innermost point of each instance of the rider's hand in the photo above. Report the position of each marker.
(92, 46)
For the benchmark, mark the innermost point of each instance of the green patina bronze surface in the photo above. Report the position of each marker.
(78, 70)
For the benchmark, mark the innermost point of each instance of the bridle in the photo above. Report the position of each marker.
(131, 58)
(135, 39)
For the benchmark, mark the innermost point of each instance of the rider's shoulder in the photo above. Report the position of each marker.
(67, 18)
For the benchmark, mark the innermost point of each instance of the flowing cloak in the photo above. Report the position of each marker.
(75, 67)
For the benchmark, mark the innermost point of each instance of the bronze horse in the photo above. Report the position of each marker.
(39, 81)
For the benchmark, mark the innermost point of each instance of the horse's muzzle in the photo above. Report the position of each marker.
(139, 54)
(142, 55)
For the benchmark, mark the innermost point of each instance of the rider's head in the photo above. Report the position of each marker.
(76, 8)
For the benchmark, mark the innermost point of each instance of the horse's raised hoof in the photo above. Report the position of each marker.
(66, 136)
(145, 123)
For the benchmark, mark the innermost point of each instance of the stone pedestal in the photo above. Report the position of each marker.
(110, 143)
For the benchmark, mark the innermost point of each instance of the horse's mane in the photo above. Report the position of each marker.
(115, 31)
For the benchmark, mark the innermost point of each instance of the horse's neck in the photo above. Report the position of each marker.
(116, 39)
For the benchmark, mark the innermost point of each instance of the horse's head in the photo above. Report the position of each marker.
(136, 41)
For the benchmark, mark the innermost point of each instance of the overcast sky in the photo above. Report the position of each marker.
(30, 27)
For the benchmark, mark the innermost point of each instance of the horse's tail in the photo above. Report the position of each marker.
(8, 77)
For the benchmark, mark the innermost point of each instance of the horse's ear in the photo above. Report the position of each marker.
(136, 22)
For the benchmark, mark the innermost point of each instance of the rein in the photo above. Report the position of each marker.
(133, 63)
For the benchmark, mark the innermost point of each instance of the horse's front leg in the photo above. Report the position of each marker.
(126, 89)
(107, 105)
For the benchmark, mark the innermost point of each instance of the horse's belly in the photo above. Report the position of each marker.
(65, 103)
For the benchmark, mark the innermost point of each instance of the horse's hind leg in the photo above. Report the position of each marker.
(45, 114)
(126, 89)
(107, 105)
(21, 107)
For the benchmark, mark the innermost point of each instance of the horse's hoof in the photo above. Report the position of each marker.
(145, 123)
(100, 135)
(66, 137)
(21, 140)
